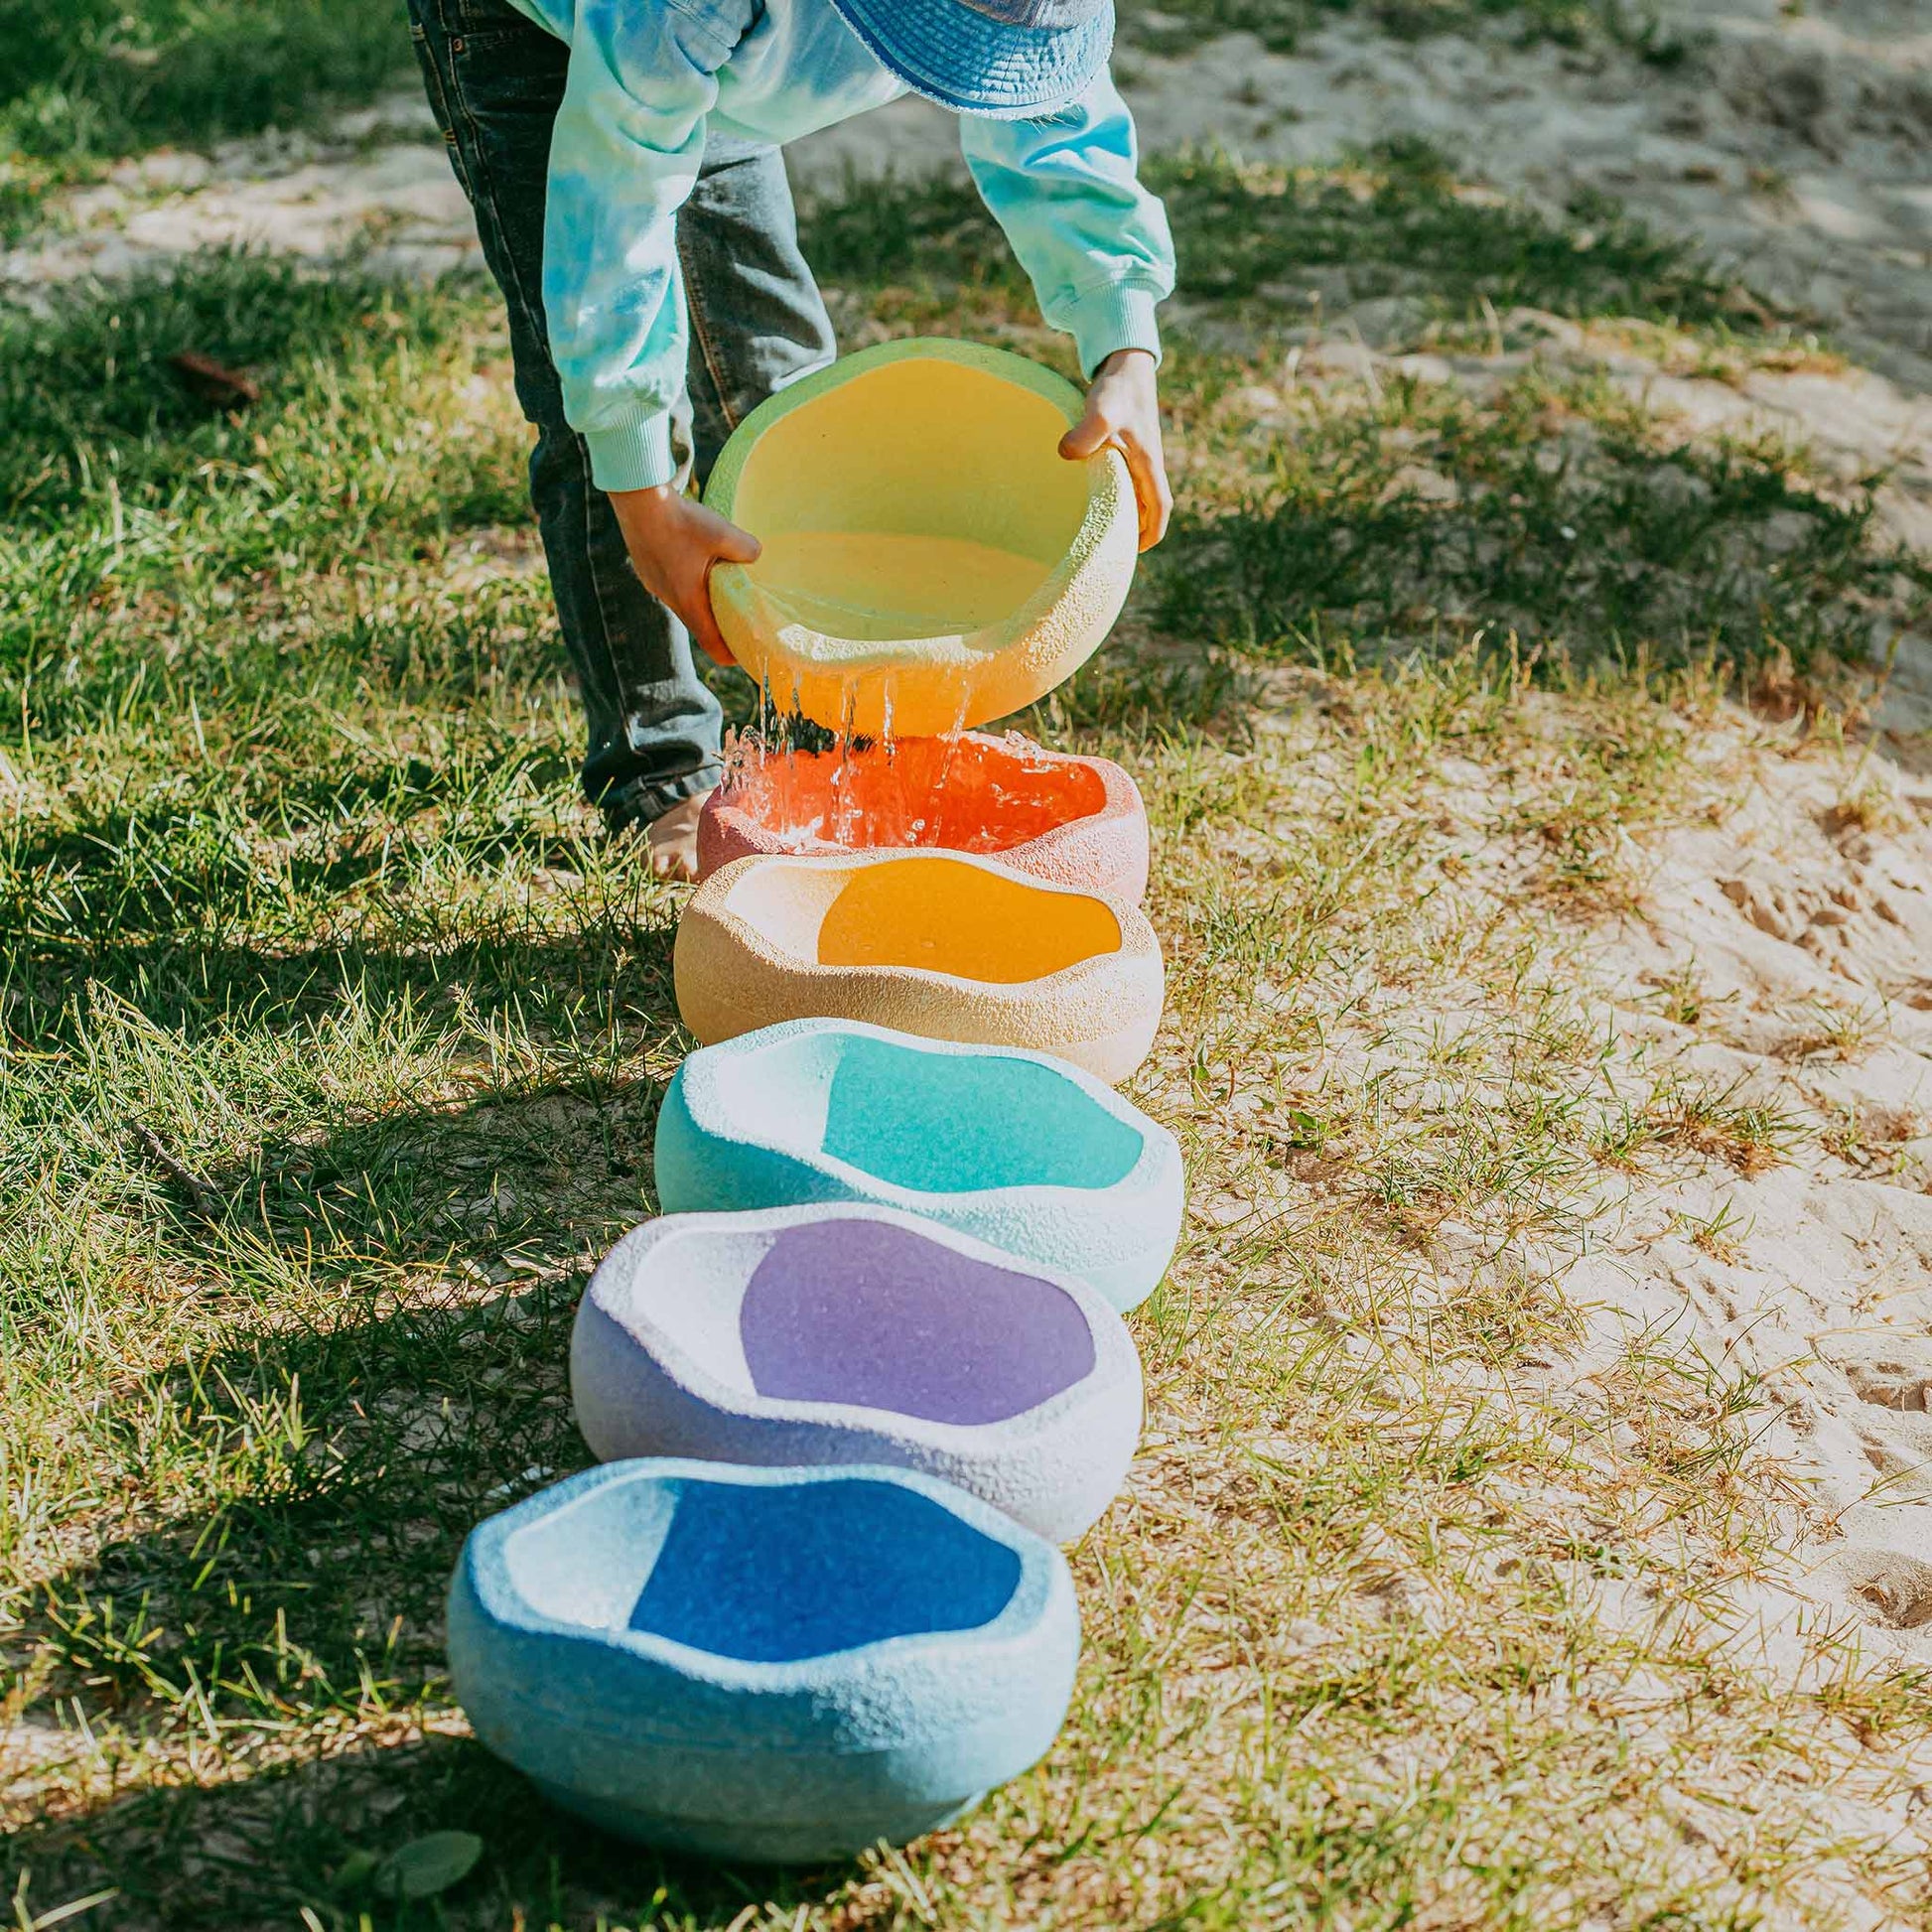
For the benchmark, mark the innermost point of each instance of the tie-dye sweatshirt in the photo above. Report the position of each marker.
(648, 80)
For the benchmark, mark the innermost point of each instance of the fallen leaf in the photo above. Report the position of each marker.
(214, 381)
(429, 1864)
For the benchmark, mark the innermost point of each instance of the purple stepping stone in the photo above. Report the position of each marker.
(869, 1313)
(850, 1333)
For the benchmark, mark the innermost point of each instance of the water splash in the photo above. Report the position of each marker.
(964, 792)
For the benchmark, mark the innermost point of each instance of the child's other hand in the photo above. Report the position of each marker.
(1123, 409)
(673, 542)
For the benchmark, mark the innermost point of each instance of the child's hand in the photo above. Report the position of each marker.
(1124, 410)
(673, 541)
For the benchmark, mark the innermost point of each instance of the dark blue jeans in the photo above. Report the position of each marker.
(496, 81)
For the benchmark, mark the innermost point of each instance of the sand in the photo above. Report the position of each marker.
(1803, 923)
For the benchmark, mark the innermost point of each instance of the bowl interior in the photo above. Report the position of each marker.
(925, 498)
(934, 1122)
(964, 920)
(967, 794)
(765, 1572)
(933, 912)
(849, 1310)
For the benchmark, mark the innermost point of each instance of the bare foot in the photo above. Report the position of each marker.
(673, 839)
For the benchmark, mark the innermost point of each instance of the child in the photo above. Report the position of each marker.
(622, 157)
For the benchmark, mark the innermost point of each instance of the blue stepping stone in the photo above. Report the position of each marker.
(1013, 1148)
(774, 1665)
(841, 1335)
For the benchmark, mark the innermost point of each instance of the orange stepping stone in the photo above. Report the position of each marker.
(949, 945)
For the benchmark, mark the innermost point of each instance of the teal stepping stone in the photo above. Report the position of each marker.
(1013, 1148)
(778, 1665)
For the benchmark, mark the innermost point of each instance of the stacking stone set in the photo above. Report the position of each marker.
(869, 1368)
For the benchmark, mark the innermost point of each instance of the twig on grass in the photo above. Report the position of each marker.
(199, 1198)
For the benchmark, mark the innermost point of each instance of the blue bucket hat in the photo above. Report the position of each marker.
(1008, 59)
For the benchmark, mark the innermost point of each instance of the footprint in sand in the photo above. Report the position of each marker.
(1887, 1586)
(1892, 1371)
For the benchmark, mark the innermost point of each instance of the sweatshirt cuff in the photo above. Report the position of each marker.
(1120, 316)
(632, 456)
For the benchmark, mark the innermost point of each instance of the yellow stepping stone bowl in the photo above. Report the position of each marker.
(930, 560)
(949, 945)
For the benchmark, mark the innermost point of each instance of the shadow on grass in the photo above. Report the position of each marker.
(193, 978)
(310, 1604)
(420, 1271)
(164, 867)
(351, 1456)
(258, 1850)
(538, 1175)
(1392, 222)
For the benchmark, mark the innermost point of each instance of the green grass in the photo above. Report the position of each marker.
(1394, 222)
(331, 1036)
(1549, 512)
(87, 81)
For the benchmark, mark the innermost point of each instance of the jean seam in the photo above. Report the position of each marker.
(649, 798)
(537, 328)
(654, 724)
(431, 49)
(485, 202)
(596, 572)
(480, 39)
(483, 197)
(702, 330)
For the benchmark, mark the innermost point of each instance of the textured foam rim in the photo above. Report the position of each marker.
(485, 1560)
(1136, 936)
(674, 1354)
